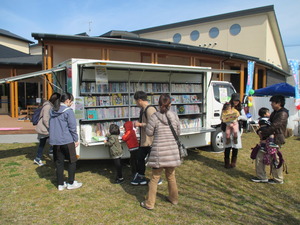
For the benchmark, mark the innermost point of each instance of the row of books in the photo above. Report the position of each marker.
(187, 88)
(150, 87)
(117, 87)
(185, 109)
(178, 99)
(134, 112)
(97, 131)
(92, 87)
(123, 100)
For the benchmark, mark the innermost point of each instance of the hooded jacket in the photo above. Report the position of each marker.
(130, 136)
(43, 125)
(115, 147)
(279, 120)
(164, 151)
(62, 127)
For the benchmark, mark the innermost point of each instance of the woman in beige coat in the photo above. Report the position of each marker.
(164, 153)
(42, 128)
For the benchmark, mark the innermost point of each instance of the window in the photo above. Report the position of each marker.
(177, 38)
(214, 32)
(235, 29)
(194, 35)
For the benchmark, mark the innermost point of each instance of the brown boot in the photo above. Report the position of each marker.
(228, 141)
(233, 162)
(235, 140)
(227, 165)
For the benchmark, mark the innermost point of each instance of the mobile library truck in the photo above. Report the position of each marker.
(104, 90)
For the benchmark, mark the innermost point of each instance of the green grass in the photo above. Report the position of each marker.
(209, 193)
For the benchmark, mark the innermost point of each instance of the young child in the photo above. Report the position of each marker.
(132, 143)
(230, 116)
(116, 150)
(263, 123)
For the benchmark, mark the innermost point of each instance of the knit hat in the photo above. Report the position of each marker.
(235, 97)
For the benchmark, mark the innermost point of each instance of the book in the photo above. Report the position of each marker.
(117, 99)
(90, 101)
(104, 101)
(92, 114)
(186, 98)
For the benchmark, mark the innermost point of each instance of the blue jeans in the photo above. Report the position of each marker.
(40, 150)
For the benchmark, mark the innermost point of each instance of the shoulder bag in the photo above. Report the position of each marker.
(182, 150)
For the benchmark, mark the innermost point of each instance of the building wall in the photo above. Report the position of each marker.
(15, 44)
(255, 38)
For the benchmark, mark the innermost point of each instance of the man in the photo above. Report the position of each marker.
(278, 119)
(145, 141)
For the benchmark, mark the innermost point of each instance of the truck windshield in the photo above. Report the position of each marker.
(222, 92)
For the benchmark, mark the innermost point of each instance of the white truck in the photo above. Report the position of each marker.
(104, 90)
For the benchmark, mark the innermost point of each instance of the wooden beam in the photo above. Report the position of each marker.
(242, 81)
(256, 78)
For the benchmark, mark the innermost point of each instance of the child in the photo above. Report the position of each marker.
(264, 122)
(230, 116)
(130, 138)
(116, 150)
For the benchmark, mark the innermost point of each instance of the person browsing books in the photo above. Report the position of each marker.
(115, 150)
(132, 143)
(147, 110)
(164, 153)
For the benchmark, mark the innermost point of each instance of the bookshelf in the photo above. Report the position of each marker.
(111, 100)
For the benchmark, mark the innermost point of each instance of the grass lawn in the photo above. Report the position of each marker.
(209, 193)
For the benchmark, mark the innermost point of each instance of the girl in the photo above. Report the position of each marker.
(64, 138)
(116, 150)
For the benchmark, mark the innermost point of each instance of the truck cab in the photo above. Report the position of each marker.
(218, 93)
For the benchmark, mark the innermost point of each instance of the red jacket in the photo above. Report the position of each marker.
(130, 137)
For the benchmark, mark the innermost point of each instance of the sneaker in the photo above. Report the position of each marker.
(138, 180)
(119, 181)
(257, 180)
(272, 181)
(62, 187)
(160, 181)
(75, 185)
(39, 162)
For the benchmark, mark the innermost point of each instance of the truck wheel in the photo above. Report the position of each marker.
(217, 140)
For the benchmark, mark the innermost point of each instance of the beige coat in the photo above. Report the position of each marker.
(164, 151)
(43, 125)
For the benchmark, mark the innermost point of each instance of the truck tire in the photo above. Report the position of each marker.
(217, 140)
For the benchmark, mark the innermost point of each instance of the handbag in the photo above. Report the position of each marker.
(182, 150)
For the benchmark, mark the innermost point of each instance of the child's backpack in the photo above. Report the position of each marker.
(36, 116)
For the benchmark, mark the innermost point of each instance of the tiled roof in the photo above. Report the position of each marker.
(6, 52)
(14, 36)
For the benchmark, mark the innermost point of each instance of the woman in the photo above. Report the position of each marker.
(164, 153)
(236, 103)
(64, 138)
(42, 128)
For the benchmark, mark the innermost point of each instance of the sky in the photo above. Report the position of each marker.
(96, 17)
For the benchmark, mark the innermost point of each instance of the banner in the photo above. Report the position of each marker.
(295, 69)
(249, 84)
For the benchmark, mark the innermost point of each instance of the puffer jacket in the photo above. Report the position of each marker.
(43, 125)
(115, 147)
(164, 151)
(279, 120)
(130, 136)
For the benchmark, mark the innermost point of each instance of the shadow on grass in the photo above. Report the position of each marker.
(244, 195)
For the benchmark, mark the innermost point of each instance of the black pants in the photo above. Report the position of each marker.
(118, 165)
(61, 152)
(142, 153)
(134, 161)
(227, 152)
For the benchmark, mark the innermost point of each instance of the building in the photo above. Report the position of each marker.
(255, 36)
